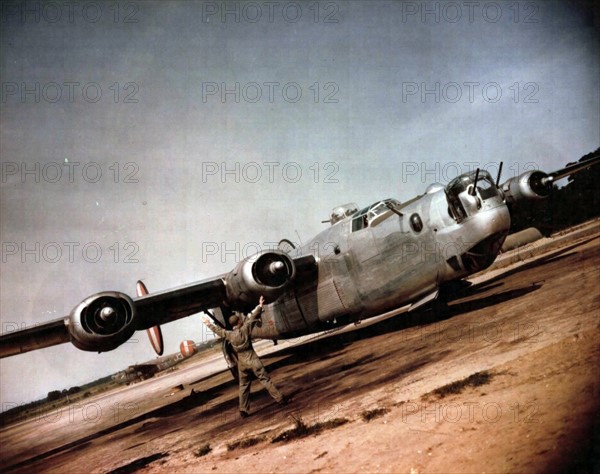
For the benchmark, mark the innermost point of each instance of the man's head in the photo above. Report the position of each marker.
(235, 320)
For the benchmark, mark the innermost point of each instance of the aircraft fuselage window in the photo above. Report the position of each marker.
(416, 223)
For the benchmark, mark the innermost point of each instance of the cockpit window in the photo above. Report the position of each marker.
(363, 217)
(359, 222)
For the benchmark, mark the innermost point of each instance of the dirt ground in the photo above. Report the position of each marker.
(530, 331)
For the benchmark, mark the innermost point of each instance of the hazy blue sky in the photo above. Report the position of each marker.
(224, 126)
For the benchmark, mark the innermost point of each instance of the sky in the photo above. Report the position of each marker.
(165, 141)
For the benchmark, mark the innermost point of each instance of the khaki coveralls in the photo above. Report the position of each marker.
(248, 361)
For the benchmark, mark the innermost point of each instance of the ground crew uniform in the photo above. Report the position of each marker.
(248, 361)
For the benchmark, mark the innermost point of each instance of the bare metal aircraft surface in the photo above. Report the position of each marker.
(366, 262)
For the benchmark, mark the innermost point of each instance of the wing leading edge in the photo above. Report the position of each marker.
(37, 337)
(105, 320)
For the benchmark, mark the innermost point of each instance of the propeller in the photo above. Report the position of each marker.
(187, 348)
(154, 333)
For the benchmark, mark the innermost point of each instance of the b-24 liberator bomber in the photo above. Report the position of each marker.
(368, 261)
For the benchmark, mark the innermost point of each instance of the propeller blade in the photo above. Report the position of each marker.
(187, 348)
(154, 333)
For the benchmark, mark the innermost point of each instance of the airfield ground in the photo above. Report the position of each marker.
(522, 345)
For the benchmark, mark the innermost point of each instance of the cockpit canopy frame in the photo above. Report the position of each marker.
(461, 187)
(365, 217)
(340, 213)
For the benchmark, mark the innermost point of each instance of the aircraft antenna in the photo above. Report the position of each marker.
(299, 239)
(499, 174)
(475, 183)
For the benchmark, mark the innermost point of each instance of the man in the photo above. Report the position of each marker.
(248, 361)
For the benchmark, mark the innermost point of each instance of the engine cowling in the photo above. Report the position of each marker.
(529, 185)
(268, 273)
(102, 322)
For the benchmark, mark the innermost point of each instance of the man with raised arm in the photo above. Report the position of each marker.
(248, 361)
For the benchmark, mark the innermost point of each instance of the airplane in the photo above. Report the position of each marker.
(138, 372)
(368, 261)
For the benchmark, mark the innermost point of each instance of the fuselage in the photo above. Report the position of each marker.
(390, 254)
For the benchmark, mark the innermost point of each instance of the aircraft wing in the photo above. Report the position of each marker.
(149, 311)
(538, 185)
(105, 320)
(39, 336)
(574, 168)
(177, 303)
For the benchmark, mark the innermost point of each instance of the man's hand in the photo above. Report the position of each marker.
(261, 301)
(206, 321)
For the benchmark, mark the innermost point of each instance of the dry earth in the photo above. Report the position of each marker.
(530, 330)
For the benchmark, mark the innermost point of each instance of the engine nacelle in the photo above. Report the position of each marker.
(102, 322)
(267, 273)
(530, 185)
